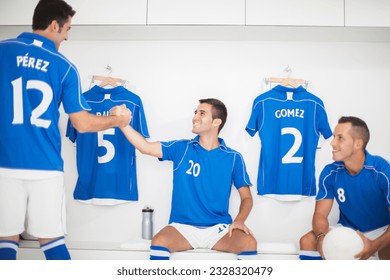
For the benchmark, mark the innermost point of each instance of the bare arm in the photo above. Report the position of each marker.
(320, 221)
(136, 139)
(245, 208)
(141, 144)
(84, 121)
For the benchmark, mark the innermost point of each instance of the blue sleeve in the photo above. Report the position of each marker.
(326, 183)
(71, 132)
(140, 125)
(173, 150)
(72, 97)
(256, 118)
(322, 122)
(240, 174)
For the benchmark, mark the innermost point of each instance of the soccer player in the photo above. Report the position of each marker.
(204, 170)
(359, 183)
(35, 79)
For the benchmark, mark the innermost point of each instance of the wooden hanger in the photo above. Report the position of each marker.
(107, 80)
(287, 81)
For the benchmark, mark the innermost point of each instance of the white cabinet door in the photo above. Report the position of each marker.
(17, 12)
(196, 12)
(107, 12)
(295, 12)
(367, 13)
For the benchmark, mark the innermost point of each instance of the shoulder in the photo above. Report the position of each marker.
(376, 162)
(332, 168)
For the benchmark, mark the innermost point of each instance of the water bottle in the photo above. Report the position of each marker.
(147, 223)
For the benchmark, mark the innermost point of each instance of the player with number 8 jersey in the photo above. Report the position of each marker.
(289, 122)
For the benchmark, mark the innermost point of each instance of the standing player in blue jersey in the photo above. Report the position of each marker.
(204, 170)
(359, 183)
(35, 79)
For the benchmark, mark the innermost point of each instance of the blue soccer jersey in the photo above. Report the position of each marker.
(106, 161)
(364, 198)
(289, 122)
(202, 181)
(35, 79)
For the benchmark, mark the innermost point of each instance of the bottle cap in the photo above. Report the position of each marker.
(147, 209)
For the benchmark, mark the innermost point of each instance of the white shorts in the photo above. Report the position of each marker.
(39, 204)
(202, 237)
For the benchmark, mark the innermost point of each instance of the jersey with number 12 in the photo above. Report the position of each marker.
(35, 79)
(289, 122)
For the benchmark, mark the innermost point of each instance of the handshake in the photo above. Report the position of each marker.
(123, 112)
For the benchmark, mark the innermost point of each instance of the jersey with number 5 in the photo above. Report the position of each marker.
(289, 122)
(106, 161)
(35, 79)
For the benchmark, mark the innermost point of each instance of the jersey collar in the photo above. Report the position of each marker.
(46, 43)
(222, 144)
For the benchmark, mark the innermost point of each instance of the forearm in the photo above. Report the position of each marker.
(86, 122)
(320, 224)
(245, 208)
(140, 143)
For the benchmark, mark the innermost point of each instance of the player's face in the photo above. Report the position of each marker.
(62, 33)
(343, 143)
(202, 120)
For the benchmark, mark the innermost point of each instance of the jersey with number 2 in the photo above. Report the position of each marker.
(289, 122)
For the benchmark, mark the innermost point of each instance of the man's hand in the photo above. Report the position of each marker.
(239, 225)
(124, 113)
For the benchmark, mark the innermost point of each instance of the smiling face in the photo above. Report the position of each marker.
(203, 119)
(60, 34)
(345, 143)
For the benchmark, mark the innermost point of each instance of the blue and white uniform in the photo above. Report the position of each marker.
(289, 122)
(202, 181)
(364, 198)
(106, 161)
(35, 79)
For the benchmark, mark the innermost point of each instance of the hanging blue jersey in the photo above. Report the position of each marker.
(35, 79)
(289, 122)
(106, 161)
(202, 181)
(364, 198)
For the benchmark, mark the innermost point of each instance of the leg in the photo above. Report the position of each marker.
(239, 242)
(9, 247)
(384, 254)
(308, 247)
(13, 201)
(47, 216)
(166, 241)
(54, 248)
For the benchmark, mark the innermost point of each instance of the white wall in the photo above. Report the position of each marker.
(170, 77)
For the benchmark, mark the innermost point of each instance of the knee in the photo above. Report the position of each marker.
(308, 242)
(249, 243)
(160, 240)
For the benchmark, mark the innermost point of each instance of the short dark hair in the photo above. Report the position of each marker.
(359, 127)
(218, 110)
(48, 10)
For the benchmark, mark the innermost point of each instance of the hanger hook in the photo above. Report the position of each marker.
(109, 69)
